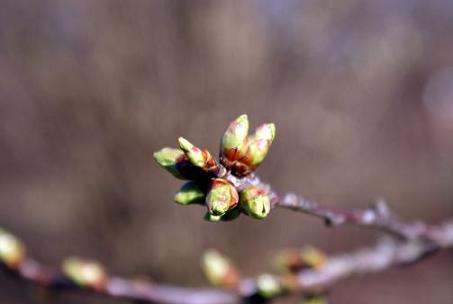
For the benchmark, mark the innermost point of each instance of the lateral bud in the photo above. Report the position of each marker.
(12, 250)
(255, 201)
(222, 196)
(189, 193)
(269, 286)
(198, 157)
(85, 273)
(293, 260)
(228, 216)
(219, 270)
(168, 158)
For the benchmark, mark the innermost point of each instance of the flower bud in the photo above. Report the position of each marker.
(198, 157)
(255, 202)
(312, 257)
(265, 132)
(12, 250)
(168, 158)
(292, 260)
(219, 270)
(84, 273)
(222, 196)
(259, 145)
(234, 139)
(212, 218)
(269, 286)
(194, 153)
(228, 216)
(189, 193)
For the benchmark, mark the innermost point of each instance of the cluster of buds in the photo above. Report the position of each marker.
(219, 270)
(85, 273)
(12, 250)
(294, 260)
(243, 153)
(240, 155)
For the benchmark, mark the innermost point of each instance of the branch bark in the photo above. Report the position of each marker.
(414, 241)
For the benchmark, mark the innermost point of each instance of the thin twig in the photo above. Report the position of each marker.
(415, 241)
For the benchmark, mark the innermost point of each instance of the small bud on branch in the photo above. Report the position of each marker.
(255, 202)
(189, 193)
(12, 251)
(222, 196)
(219, 270)
(85, 273)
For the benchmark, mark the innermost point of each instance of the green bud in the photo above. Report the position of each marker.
(293, 260)
(194, 153)
(255, 202)
(222, 196)
(212, 218)
(312, 257)
(198, 157)
(228, 216)
(84, 273)
(168, 159)
(234, 138)
(258, 145)
(219, 270)
(265, 132)
(269, 286)
(12, 250)
(189, 193)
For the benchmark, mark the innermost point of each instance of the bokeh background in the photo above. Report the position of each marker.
(361, 93)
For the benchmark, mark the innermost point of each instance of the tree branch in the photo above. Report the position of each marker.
(414, 241)
(386, 254)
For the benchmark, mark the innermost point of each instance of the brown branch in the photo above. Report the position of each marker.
(415, 241)
(378, 217)
(120, 288)
(386, 254)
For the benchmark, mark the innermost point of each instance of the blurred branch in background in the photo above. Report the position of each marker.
(89, 277)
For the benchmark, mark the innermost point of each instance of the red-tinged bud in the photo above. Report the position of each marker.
(222, 196)
(255, 201)
(198, 157)
(242, 154)
(293, 260)
(259, 145)
(219, 270)
(192, 152)
(85, 273)
(233, 144)
(12, 250)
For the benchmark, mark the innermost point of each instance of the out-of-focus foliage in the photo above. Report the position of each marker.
(361, 93)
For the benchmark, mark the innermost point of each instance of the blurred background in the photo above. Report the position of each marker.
(361, 93)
